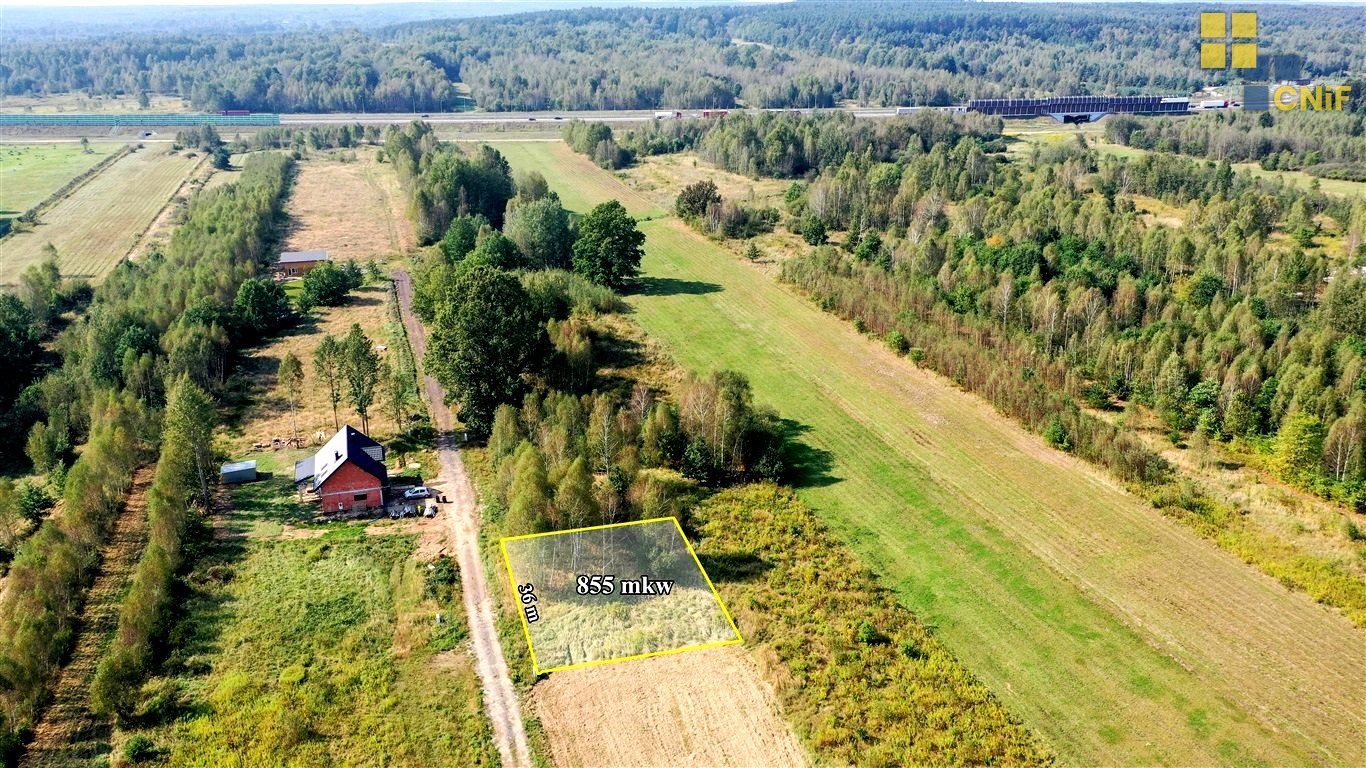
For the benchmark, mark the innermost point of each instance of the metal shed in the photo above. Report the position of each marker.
(238, 472)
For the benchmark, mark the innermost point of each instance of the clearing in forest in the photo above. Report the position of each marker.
(1119, 635)
(29, 173)
(101, 222)
(350, 208)
(660, 177)
(612, 593)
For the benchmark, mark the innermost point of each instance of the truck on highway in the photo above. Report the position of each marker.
(668, 115)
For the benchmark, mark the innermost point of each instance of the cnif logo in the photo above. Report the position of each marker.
(1225, 34)
(1229, 41)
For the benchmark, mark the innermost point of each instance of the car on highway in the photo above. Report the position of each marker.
(417, 492)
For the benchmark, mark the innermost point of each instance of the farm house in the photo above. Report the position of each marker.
(347, 473)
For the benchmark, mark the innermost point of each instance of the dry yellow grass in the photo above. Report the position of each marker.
(271, 417)
(1289, 515)
(697, 708)
(661, 177)
(351, 209)
(102, 222)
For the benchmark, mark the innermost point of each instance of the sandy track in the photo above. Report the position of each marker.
(700, 708)
(500, 700)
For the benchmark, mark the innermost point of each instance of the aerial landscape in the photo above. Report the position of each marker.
(682, 383)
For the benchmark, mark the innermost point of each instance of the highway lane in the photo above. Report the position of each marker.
(526, 118)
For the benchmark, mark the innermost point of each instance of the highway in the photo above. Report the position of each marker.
(526, 118)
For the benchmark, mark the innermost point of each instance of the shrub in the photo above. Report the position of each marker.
(1056, 434)
(139, 749)
(897, 342)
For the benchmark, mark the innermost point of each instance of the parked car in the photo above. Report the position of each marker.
(417, 492)
(429, 509)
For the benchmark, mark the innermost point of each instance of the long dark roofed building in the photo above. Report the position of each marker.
(1082, 109)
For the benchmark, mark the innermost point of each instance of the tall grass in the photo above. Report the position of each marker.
(863, 682)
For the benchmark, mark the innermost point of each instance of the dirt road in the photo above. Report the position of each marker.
(500, 700)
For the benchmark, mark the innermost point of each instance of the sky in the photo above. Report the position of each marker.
(512, 4)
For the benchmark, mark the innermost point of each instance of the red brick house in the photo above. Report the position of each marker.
(348, 473)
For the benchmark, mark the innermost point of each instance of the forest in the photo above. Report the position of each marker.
(807, 54)
(1327, 144)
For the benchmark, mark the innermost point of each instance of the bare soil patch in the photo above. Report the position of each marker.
(699, 708)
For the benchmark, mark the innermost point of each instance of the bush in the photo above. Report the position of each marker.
(897, 342)
(139, 749)
(813, 231)
(1056, 434)
(327, 284)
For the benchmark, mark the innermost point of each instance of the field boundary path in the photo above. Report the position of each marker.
(500, 700)
(68, 731)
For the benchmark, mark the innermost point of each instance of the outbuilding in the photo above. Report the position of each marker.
(295, 263)
(238, 472)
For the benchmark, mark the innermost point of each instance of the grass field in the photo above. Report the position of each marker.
(101, 222)
(79, 102)
(29, 173)
(661, 177)
(1118, 635)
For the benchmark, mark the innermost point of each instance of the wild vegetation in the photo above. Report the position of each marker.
(895, 696)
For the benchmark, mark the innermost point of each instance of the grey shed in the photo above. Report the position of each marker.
(238, 472)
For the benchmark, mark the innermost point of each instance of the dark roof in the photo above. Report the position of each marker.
(347, 445)
(295, 257)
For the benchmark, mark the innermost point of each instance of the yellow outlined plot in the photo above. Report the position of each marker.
(606, 593)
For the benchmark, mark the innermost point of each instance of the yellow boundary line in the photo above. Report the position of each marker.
(526, 626)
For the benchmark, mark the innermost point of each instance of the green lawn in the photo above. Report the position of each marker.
(29, 173)
(1118, 635)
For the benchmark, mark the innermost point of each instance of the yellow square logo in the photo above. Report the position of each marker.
(1244, 56)
(1213, 25)
(1244, 25)
(1212, 56)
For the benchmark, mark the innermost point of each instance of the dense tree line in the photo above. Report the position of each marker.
(164, 323)
(443, 182)
(780, 144)
(566, 461)
(498, 281)
(1329, 144)
(1044, 288)
(790, 55)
